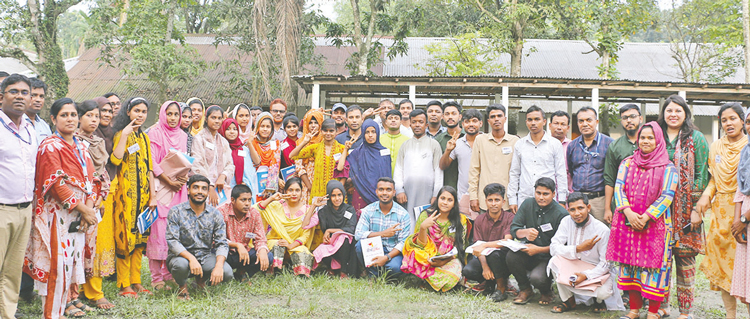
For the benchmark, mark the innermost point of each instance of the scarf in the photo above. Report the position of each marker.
(291, 145)
(729, 154)
(165, 136)
(268, 156)
(318, 116)
(367, 165)
(194, 131)
(97, 150)
(335, 218)
(244, 135)
(682, 204)
(743, 169)
(236, 146)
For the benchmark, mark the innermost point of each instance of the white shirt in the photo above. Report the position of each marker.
(406, 131)
(569, 235)
(532, 162)
(17, 160)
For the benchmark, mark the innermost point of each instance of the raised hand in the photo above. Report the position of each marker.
(391, 231)
(430, 221)
(452, 142)
(129, 129)
(588, 244)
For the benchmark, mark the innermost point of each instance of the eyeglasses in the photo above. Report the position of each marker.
(118, 103)
(630, 117)
(278, 111)
(16, 92)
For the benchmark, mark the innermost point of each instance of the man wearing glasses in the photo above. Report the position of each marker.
(586, 156)
(631, 120)
(114, 101)
(278, 110)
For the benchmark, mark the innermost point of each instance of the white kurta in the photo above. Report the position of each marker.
(418, 172)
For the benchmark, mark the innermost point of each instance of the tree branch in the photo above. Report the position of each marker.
(19, 55)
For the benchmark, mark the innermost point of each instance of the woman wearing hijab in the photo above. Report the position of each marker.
(641, 235)
(338, 221)
(241, 114)
(367, 163)
(165, 135)
(213, 157)
(185, 123)
(264, 150)
(244, 171)
(723, 161)
(740, 231)
(198, 108)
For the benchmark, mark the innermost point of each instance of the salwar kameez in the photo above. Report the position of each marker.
(287, 225)
(741, 273)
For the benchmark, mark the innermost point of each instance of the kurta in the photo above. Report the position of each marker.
(249, 175)
(324, 165)
(741, 273)
(288, 226)
(213, 157)
(720, 245)
(418, 172)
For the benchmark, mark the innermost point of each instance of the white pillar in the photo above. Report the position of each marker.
(413, 95)
(595, 99)
(714, 129)
(683, 94)
(315, 100)
(506, 102)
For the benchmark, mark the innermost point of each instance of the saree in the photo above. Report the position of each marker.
(417, 255)
(288, 226)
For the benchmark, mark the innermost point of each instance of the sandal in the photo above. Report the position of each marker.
(663, 313)
(103, 304)
(562, 307)
(80, 305)
(183, 294)
(144, 291)
(523, 297)
(546, 299)
(128, 294)
(636, 314)
(654, 315)
(599, 307)
(159, 286)
(72, 311)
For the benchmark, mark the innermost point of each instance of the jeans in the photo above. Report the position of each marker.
(496, 262)
(251, 268)
(180, 269)
(530, 270)
(392, 268)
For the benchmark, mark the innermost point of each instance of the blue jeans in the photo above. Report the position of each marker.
(392, 268)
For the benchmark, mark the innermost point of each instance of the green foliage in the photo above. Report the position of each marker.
(71, 31)
(466, 55)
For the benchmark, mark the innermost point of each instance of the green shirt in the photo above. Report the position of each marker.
(393, 144)
(530, 215)
(450, 174)
(618, 151)
(701, 175)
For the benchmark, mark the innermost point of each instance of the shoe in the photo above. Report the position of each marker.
(498, 296)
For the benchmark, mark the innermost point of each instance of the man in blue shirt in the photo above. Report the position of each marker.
(354, 122)
(585, 156)
(388, 220)
(38, 92)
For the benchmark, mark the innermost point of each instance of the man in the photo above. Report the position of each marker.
(491, 228)
(434, 118)
(38, 91)
(458, 153)
(418, 175)
(254, 112)
(338, 114)
(3, 75)
(630, 119)
(388, 220)
(392, 138)
(452, 116)
(536, 155)
(559, 125)
(17, 168)
(278, 110)
(354, 121)
(114, 100)
(405, 107)
(580, 247)
(246, 235)
(586, 155)
(535, 223)
(194, 231)
(491, 157)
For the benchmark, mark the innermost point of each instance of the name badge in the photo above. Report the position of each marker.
(134, 148)
(507, 150)
(718, 159)
(242, 153)
(546, 227)
(385, 152)
(249, 235)
(348, 215)
(336, 156)
(210, 146)
(452, 229)
(350, 151)
(274, 146)
(89, 187)
(424, 156)
(284, 146)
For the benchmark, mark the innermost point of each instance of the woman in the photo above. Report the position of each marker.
(213, 157)
(641, 234)
(66, 190)
(165, 135)
(723, 160)
(185, 122)
(287, 220)
(325, 154)
(197, 106)
(442, 229)
(688, 150)
(265, 151)
(338, 221)
(241, 114)
(101, 261)
(291, 127)
(367, 164)
(244, 171)
(134, 194)
(741, 273)
(306, 168)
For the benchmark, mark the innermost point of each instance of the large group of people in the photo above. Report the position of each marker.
(225, 194)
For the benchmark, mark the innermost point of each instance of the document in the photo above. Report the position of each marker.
(371, 247)
(448, 255)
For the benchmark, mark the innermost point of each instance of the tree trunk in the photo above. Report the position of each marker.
(170, 23)
(361, 50)
(605, 64)
(288, 13)
(516, 53)
(124, 13)
(746, 32)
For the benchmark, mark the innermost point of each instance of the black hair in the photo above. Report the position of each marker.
(535, 108)
(576, 196)
(240, 106)
(256, 108)
(495, 107)
(588, 109)
(328, 124)
(686, 130)
(434, 102)
(628, 107)
(387, 180)
(561, 113)
(209, 111)
(417, 112)
(290, 119)
(494, 188)
(545, 182)
(734, 106)
(197, 178)
(353, 107)
(405, 101)
(293, 180)
(385, 101)
(452, 104)
(472, 114)
(240, 189)
(57, 105)
(13, 79)
(85, 107)
(36, 83)
(122, 119)
(110, 94)
(198, 101)
(454, 217)
(393, 112)
(4, 74)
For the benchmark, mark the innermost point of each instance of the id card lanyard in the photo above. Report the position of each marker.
(82, 160)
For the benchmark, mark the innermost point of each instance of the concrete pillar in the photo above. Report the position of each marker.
(315, 100)
(714, 129)
(413, 94)
(595, 99)
(506, 102)
(570, 112)
(322, 99)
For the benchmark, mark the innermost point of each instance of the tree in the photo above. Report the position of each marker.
(466, 55)
(71, 31)
(36, 22)
(746, 34)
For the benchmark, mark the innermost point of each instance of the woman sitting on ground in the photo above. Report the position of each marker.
(338, 221)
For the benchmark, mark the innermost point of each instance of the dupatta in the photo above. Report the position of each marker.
(368, 164)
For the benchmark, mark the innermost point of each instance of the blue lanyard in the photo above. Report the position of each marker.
(16, 133)
(81, 159)
(585, 149)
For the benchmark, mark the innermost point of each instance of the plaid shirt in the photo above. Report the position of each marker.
(372, 219)
(586, 164)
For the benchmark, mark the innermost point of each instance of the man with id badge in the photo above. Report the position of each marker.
(535, 223)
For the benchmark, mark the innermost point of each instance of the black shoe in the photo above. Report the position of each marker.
(498, 296)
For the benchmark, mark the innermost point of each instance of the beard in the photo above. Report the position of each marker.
(581, 224)
(632, 132)
(197, 201)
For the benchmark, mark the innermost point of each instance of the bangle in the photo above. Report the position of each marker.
(261, 206)
(299, 242)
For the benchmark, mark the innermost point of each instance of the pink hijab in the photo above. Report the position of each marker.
(165, 136)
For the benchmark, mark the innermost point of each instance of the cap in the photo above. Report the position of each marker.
(339, 106)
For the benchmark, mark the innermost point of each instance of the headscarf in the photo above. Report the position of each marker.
(105, 132)
(194, 131)
(336, 218)
(318, 116)
(368, 165)
(743, 169)
(168, 137)
(236, 146)
(244, 135)
(267, 155)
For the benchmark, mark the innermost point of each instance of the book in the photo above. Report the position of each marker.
(174, 165)
(445, 256)
(511, 244)
(146, 219)
(288, 171)
(222, 197)
(371, 247)
(262, 173)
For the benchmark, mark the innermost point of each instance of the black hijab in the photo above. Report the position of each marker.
(337, 218)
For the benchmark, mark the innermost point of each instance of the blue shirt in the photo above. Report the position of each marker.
(41, 127)
(343, 137)
(372, 219)
(199, 235)
(586, 164)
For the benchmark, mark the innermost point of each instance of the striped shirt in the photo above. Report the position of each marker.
(586, 164)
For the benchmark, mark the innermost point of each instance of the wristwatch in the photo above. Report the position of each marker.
(389, 257)
(744, 220)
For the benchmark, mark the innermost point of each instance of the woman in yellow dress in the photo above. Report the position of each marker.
(325, 153)
(723, 160)
(135, 193)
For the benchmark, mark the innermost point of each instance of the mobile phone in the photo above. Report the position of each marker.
(74, 226)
